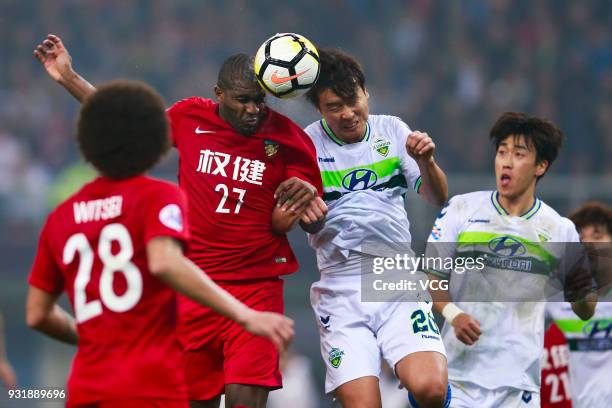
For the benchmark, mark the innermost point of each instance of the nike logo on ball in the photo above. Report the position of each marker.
(198, 131)
(278, 80)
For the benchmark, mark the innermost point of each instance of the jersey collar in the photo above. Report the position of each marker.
(537, 203)
(336, 139)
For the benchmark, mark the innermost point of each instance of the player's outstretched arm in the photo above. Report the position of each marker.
(167, 262)
(434, 186)
(467, 329)
(7, 374)
(56, 60)
(46, 316)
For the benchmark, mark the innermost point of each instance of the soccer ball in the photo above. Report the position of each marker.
(286, 65)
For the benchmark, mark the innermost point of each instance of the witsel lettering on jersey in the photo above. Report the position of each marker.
(96, 210)
(246, 170)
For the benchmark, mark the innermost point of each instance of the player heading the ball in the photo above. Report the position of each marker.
(116, 247)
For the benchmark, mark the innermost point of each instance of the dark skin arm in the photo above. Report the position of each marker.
(56, 60)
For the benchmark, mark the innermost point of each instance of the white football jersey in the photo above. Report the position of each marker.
(524, 259)
(364, 184)
(590, 344)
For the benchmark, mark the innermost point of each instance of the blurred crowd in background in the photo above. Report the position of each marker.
(449, 68)
(445, 67)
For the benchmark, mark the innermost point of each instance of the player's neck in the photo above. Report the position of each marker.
(517, 205)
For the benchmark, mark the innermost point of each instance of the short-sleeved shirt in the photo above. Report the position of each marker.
(521, 256)
(364, 184)
(230, 180)
(93, 246)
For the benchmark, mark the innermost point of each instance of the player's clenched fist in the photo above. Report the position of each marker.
(275, 327)
(420, 146)
(314, 212)
(467, 329)
(54, 57)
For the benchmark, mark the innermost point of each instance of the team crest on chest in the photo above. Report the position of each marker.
(381, 146)
(270, 147)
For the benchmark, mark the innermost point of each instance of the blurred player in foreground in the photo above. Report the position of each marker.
(590, 342)
(237, 157)
(367, 163)
(494, 347)
(116, 247)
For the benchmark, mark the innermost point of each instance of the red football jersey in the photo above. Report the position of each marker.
(230, 180)
(93, 246)
(555, 389)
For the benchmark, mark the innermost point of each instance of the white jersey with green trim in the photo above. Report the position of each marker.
(521, 257)
(364, 184)
(590, 344)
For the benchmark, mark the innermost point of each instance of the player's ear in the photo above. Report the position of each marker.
(218, 93)
(541, 168)
(367, 94)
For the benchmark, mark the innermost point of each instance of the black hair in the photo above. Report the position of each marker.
(540, 133)
(122, 129)
(592, 213)
(340, 73)
(236, 69)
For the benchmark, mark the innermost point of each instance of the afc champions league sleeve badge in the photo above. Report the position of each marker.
(172, 217)
(270, 148)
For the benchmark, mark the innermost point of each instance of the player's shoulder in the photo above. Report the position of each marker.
(382, 120)
(389, 124)
(156, 184)
(192, 102)
(470, 200)
(81, 194)
(549, 213)
(314, 130)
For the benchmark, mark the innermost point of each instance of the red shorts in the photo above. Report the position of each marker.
(219, 352)
(135, 403)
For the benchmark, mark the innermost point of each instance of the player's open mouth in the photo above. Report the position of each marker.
(505, 180)
(251, 121)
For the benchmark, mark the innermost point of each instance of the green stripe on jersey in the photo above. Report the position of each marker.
(337, 140)
(383, 168)
(502, 211)
(396, 181)
(534, 248)
(571, 325)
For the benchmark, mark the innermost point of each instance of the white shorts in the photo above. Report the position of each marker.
(355, 335)
(470, 395)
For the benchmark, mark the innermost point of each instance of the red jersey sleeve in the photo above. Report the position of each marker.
(46, 273)
(177, 112)
(167, 215)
